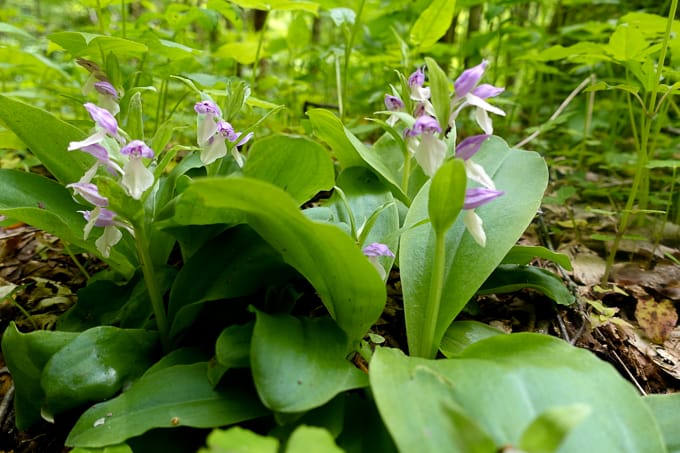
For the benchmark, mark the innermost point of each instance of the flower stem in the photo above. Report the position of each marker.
(428, 348)
(151, 281)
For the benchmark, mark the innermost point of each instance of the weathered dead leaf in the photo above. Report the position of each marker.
(657, 319)
(663, 279)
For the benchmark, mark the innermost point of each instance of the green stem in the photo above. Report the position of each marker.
(256, 63)
(123, 17)
(142, 244)
(428, 348)
(348, 50)
(406, 171)
(75, 261)
(641, 170)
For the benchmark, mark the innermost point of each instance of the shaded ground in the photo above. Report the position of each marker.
(630, 323)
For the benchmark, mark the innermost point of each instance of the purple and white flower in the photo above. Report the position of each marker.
(375, 250)
(136, 177)
(428, 149)
(105, 124)
(468, 93)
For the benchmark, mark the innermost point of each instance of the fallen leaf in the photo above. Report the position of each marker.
(657, 319)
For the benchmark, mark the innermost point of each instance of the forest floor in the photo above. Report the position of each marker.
(630, 323)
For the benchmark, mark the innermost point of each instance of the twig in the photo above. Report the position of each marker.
(558, 112)
(6, 403)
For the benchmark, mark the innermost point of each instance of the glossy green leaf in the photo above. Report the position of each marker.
(95, 366)
(462, 334)
(524, 254)
(373, 208)
(232, 349)
(300, 364)
(239, 440)
(330, 129)
(311, 438)
(122, 448)
(432, 23)
(440, 89)
(26, 355)
(47, 137)
(344, 279)
(80, 44)
(447, 195)
(508, 278)
(665, 410)
(467, 264)
(505, 381)
(233, 264)
(178, 395)
(547, 431)
(45, 204)
(418, 406)
(298, 165)
(350, 151)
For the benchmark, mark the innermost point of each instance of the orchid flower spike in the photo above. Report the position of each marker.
(468, 93)
(468, 148)
(375, 250)
(430, 150)
(108, 96)
(475, 198)
(136, 177)
(102, 217)
(209, 114)
(105, 124)
(216, 146)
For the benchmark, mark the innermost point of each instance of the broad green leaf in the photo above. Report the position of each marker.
(233, 264)
(462, 334)
(175, 396)
(242, 51)
(447, 195)
(523, 176)
(239, 440)
(508, 278)
(80, 44)
(344, 279)
(665, 410)
(350, 151)
(372, 207)
(26, 355)
(8, 29)
(628, 44)
(547, 431)
(524, 254)
(432, 23)
(122, 448)
(440, 88)
(418, 406)
(505, 381)
(298, 165)
(95, 366)
(45, 204)
(311, 438)
(47, 137)
(300, 364)
(330, 129)
(107, 302)
(232, 349)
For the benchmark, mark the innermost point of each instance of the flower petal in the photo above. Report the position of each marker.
(137, 178)
(474, 223)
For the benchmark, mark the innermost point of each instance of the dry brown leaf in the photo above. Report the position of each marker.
(657, 319)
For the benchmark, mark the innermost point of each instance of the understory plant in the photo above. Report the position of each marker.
(232, 303)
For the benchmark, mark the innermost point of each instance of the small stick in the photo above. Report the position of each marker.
(558, 112)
